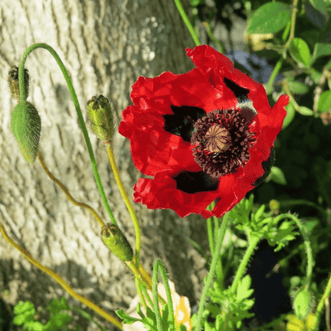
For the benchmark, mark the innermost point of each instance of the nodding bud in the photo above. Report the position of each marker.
(26, 127)
(102, 117)
(14, 83)
(115, 240)
(303, 303)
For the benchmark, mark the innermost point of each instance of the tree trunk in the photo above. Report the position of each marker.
(105, 45)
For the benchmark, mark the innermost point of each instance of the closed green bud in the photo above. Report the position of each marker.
(115, 240)
(303, 303)
(274, 205)
(26, 127)
(102, 117)
(14, 83)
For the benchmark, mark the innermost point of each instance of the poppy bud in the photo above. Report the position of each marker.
(303, 303)
(102, 117)
(274, 205)
(26, 127)
(14, 83)
(115, 240)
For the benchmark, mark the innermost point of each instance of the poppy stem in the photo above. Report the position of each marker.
(158, 266)
(78, 110)
(66, 286)
(321, 304)
(187, 22)
(66, 192)
(219, 240)
(126, 200)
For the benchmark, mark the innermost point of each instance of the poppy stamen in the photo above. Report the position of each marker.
(224, 139)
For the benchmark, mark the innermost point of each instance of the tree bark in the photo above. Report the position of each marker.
(105, 45)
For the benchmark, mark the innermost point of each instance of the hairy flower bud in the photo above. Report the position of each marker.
(115, 240)
(26, 127)
(14, 82)
(303, 303)
(102, 117)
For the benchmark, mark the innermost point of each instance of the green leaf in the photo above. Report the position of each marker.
(320, 5)
(269, 18)
(278, 176)
(300, 51)
(321, 50)
(34, 326)
(24, 312)
(298, 87)
(23, 318)
(315, 75)
(324, 102)
(23, 307)
(243, 290)
(125, 317)
(305, 111)
(289, 116)
(57, 322)
(258, 215)
(57, 305)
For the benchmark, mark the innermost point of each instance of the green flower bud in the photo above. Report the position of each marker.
(14, 82)
(26, 127)
(102, 117)
(274, 205)
(115, 240)
(303, 303)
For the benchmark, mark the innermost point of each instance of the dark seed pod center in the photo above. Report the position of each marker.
(218, 139)
(223, 139)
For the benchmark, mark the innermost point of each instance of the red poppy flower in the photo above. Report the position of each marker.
(204, 135)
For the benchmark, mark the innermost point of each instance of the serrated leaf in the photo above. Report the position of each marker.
(324, 102)
(259, 213)
(269, 18)
(305, 111)
(125, 317)
(300, 51)
(243, 290)
(278, 176)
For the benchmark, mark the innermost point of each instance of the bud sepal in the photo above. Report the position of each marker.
(14, 83)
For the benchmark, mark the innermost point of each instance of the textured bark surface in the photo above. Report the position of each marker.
(105, 46)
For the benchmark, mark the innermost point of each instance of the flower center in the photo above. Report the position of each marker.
(218, 139)
(223, 139)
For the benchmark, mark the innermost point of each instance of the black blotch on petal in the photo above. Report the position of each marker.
(248, 113)
(194, 182)
(240, 92)
(266, 165)
(181, 123)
